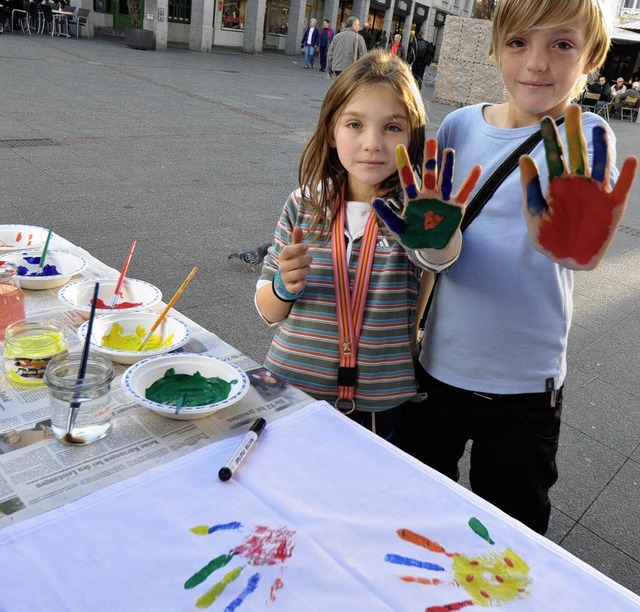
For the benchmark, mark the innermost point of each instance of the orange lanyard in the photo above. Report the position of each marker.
(350, 303)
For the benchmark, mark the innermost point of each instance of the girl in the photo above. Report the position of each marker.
(340, 288)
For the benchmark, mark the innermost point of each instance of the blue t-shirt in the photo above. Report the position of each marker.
(501, 313)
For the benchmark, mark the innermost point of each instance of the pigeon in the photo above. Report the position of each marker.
(253, 257)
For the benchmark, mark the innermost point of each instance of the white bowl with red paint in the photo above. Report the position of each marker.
(142, 295)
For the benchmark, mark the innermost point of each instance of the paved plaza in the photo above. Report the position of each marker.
(194, 155)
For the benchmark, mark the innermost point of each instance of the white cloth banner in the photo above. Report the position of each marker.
(322, 515)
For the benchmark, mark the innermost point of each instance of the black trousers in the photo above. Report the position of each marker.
(381, 422)
(514, 444)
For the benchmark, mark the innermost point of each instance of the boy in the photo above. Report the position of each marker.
(494, 351)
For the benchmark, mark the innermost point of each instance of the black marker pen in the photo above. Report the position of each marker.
(226, 472)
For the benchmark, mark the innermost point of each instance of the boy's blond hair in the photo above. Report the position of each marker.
(517, 16)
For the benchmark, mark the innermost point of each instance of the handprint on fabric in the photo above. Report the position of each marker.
(265, 549)
(490, 580)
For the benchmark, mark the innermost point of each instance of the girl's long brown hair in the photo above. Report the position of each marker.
(321, 176)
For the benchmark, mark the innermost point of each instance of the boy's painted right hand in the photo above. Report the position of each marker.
(430, 217)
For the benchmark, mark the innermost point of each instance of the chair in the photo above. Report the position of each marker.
(588, 102)
(629, 108)
(80, 18)
(32, 17)
(47, 18)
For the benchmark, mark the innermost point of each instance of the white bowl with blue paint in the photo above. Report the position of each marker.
(140, 376)
(59, 268)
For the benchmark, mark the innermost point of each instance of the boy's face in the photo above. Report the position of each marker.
(540, 69)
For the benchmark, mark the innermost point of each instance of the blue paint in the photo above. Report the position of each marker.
(599, 154)
(411, 191)
(430, 165)
(32, 260)
(447, 176)
(391, 220)
(412, 562)
(224, 526)
(47, 270)
(536, 204)
(252, 585)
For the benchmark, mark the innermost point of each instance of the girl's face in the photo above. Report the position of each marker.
(365, 136)
(540, 69)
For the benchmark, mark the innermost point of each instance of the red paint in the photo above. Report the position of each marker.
(407, 176)
(104, 306)
(508, 561)
(450, 607)
(432, 219)
(469, 577)
(266, 546)
(473, 563)
(429, 181)
(499, 579)
(424, 542)
(578, 221)
(420, 580)
(484, 594)
(276, 586)
(19, 237)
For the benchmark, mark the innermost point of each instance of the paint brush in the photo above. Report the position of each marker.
(168, 307)
(45, 249)
(82, 371)
(125, 267)
(179, 404)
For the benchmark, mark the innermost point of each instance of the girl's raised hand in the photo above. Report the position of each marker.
(430, 217)
(575, 224)
(295, 263)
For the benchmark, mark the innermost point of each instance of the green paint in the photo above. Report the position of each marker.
(552, 148)
(212, 594)
(417, 236)
(202, 574)
(200, 530)
(195, 388)
(480, 529)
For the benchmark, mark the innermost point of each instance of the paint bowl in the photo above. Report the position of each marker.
(136, 325)
(140, 376)
(16, 237)
(59, 268)
(138, 294)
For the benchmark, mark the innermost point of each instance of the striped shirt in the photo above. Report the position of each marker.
(304, 351)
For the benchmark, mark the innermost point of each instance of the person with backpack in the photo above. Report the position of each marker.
(423, 52)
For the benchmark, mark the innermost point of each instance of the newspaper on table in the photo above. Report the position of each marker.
(37, 473)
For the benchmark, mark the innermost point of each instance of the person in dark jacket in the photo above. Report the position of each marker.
(326, 36)
(423, 52)
(309, 43)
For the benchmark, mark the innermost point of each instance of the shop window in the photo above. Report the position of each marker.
(233, 15)
(180, 11)
(277, 19)
(102, 6)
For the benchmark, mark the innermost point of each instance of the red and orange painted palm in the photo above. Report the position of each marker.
(575, 224)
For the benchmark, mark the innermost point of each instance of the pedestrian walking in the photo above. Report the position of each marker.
(345, 48)
(309, 43)
(326, 36)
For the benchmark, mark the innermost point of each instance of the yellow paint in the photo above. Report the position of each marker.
(115, 339)
(492, 579)
(28, 354)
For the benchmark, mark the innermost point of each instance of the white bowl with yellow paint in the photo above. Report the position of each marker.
(117, 335)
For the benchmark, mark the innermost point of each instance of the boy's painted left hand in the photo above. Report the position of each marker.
(430, 217)
(577, 221)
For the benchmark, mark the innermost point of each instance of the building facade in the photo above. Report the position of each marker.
(254, 25)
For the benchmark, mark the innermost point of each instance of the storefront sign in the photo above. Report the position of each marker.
(420, 13)
(379, 5)
(403, 7)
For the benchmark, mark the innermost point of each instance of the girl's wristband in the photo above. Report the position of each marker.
(280, 291)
